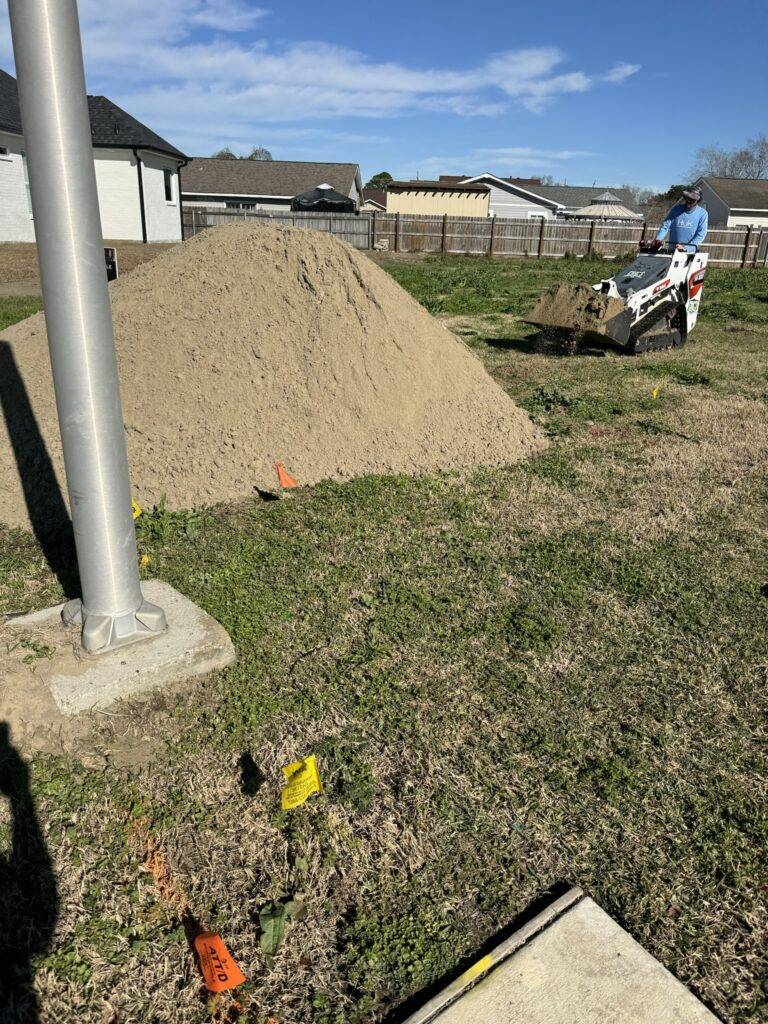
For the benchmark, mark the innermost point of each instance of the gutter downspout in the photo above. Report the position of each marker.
(181, 205)
(141, 196)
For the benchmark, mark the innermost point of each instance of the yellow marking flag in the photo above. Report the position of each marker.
(655, 393)
(136, 510)
(303, 779)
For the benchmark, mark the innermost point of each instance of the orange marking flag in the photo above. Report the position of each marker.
(285, 478)
(220, 972)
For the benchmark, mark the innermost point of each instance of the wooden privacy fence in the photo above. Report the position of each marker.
(496, 236)
(490, 236)
(351, 227)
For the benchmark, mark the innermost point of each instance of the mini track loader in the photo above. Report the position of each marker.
(651, 304)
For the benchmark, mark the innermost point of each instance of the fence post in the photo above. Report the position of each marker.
(758, 247)
(541, 237)
(493, 235)
(747, 242)
(591, 238)
(397, 232)
(444, 235)
(373, 231)
(642, 233)
(194, 222)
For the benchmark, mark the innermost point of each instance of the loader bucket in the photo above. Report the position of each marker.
(581, 310)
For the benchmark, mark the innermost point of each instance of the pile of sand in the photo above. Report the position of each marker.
(578, 306)
(249, 345)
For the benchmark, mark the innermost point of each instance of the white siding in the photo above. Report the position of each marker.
(118, 186)
(507, 204)
(16, 223)
(744, 218)
(188, 203)
(260, 202)
(163, 217)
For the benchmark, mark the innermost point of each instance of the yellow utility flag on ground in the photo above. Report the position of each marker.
(136, 510)
(303, 780)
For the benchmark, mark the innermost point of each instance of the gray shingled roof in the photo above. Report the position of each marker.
(575, 196)
(741, 193)
(205, 175)
(375, 195)
(111, 126)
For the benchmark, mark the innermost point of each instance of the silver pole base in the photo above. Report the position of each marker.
(102, 633)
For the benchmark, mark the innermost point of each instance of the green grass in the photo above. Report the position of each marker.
(513, 678)
(466, 285)
(14, 308)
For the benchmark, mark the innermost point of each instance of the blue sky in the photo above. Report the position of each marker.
(603, 92)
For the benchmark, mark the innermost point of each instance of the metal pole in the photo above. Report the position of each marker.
(62, 179)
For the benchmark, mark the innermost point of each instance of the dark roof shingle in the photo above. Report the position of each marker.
(422, 185)
(741, 193)
(205, 175)
(581, 195)
(111, 126)
(375, 195)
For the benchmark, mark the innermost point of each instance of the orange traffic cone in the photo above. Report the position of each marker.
(285, 478)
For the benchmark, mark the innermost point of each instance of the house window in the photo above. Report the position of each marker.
(168, 180)
(26, 182)
(3, 151)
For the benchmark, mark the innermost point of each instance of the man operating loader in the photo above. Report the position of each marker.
(686, 223)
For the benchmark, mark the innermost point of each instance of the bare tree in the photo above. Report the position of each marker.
(748, 161)
(640, 195)
(257, 153)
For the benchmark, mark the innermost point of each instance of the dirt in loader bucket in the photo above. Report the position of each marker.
(577, 308)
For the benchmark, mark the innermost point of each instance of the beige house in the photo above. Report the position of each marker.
(438, 197)
(735, 202)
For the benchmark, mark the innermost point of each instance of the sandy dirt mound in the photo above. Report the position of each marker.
(578, 306)
(249, 345)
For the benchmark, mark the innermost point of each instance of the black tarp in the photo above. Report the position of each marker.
(323, 200)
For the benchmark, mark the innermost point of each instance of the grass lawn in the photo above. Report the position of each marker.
(551, 673)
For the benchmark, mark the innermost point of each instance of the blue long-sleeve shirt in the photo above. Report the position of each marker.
(685, 227)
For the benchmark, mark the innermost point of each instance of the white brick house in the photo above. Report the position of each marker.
(137, 174)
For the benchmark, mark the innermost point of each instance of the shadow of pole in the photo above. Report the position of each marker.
(29, 903)
(45, 503)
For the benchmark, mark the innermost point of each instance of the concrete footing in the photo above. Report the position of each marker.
(46, 671)
(572, 964)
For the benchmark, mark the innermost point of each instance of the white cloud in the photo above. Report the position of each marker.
(620, 72)
(202, 70)
(227, 15)
(501, 160)
(526, 152)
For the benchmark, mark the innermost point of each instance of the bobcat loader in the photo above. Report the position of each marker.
(651, 304)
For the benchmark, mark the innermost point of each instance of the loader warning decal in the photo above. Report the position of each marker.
(696, 282)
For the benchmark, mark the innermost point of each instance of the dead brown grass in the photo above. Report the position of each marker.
(18, 260)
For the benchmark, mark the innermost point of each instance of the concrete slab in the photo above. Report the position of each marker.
(571, 965)
(74, 681)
